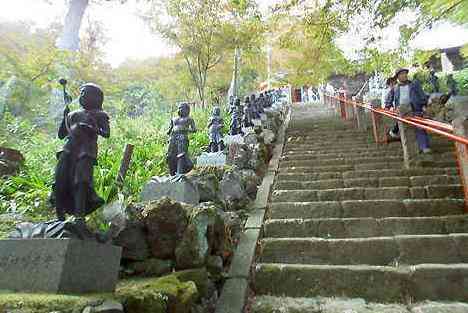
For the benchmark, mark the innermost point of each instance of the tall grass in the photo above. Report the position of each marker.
(28, 191)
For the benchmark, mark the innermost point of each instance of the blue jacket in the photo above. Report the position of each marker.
(418, 99)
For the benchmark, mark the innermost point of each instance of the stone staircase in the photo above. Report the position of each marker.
(348, 228)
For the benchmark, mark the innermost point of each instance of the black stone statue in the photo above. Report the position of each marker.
(215, 127)
(255, 110)
(248, 113)
(177, 154)
(434, 81)
(73, 191)
(236, 118)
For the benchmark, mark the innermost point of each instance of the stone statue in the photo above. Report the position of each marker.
(73, 192)
(215, 127)
(248, 113)
(236, 118)
(180, 127)
(434, 81)
(255, 109)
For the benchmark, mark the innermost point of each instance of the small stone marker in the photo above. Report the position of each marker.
(257, 123)
(233, 139)
(58, 266)
(217, 159)
(263, 117)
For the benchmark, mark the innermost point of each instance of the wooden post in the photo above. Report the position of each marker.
(379, 130)
(460, 127)
(125, 164)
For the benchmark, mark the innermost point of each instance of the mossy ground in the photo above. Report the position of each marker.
(177, 292)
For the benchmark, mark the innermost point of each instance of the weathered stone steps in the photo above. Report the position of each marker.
(392, 181)
(367, 208)
(265, 304)
(367, 193)
(340, 161)
(403, 284)
(365, 174)
(364, 227)
(385, 251)
(357, 167)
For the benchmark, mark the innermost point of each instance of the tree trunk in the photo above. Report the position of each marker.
(234, 88)
(70, 39)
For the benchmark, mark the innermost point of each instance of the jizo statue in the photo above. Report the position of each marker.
(180, 127)
(236, 118)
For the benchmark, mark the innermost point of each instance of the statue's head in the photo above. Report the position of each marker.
(91, 97)
(184, 109)
(237, 102)
(216, 111)
(252, 97)
(247, 99)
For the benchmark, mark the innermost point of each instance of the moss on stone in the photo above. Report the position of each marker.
(161, 295)
(174, 293)
(44, 303)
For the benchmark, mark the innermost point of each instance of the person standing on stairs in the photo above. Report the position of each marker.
(409, 98)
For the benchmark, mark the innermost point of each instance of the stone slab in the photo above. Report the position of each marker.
(58, 266)
(257, 123)
(244, 255)
(233, 296)
(239, 139)
(217, 159)
(178, 188)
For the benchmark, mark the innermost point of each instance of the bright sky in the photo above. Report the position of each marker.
(129, 37)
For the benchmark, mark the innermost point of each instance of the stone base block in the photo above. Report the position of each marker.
(58, 266)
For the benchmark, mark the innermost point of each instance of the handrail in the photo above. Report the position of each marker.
(429, 125)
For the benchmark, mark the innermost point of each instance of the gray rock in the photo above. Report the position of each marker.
(151, 267)
(204, 236)
(132, 237)
(179, 188)
(214, 265)
(107, 306)
(232, 190)
(207, 186)
(58, 266)
(251, 181)
(251, 139)
(268, 136)
(166, 221)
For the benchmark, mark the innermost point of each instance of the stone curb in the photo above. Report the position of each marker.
(236, 288)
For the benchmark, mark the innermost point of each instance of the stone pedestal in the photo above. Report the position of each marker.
(460, 128)
(178, 188)
(408, 143)
(217, 159)
(58, 266)
(229, 139)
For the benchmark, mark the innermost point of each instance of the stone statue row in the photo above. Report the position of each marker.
(73, 189)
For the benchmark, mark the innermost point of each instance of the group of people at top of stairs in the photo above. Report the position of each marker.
(407, 97)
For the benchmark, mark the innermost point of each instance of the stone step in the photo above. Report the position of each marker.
(447, 156)
(363, 193)
(385, 251)
(347, 155)
(439, 282)
(367, 208)
(364, 227)
(395, 181)
(357, 167)
(340, 161)
(265, 304)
